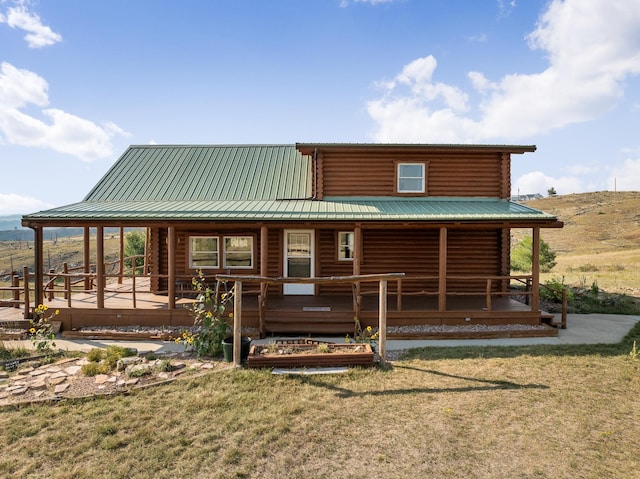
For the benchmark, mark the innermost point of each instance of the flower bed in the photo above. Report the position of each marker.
(309, 355)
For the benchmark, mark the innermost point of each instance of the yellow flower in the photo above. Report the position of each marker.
(369, 329)
(347, 339)
(57, 311)
(231, 315)
(32, 330)
(224, 295)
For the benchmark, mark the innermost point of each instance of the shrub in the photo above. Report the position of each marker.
(93, 369)
(115, 353)
(521, 256)
(95, 355)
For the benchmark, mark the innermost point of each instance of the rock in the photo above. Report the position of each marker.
(54, 369)
(38, 384)
(26, 370)
(37, 372)
(4, 395)
(55, 381)
(60, 388)
(124, 363)
(101, 378)
(19, 391)
(72, 370)
(138, 370)
(163, 375)
(3, 375)
(38, 394)
(58, 375)
(132, 381)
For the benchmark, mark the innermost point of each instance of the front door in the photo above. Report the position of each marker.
(298, 260)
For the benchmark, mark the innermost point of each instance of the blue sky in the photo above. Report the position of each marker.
(81, 80)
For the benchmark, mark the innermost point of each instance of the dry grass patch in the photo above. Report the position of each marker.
(473, 412)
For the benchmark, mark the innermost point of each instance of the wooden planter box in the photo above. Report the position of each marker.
(307, 356)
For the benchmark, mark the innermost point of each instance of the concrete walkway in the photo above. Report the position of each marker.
(581, 329)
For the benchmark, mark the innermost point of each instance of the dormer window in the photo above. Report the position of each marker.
(411, 177)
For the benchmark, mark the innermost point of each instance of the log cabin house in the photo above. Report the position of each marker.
(288, 214)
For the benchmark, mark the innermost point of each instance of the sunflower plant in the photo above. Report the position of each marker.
(366, 335)
(41, 330)
(209, 312)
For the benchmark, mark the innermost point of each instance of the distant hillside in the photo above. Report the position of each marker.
(11, 222)
(600, 242)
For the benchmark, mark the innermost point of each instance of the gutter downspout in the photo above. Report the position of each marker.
(315, 175)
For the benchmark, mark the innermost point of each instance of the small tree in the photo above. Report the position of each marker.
(521, 256)
(134, 246)
(551, 191)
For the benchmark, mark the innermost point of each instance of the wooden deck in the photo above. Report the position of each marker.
(283, 314)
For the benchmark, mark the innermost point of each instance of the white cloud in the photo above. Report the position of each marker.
(38, 35)
(626, 177)
(13, 204)
(592, 48)
(538, 182)
(61, 132)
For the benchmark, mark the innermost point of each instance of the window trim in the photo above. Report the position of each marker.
(339, 245)
(423, 178)
(224, 251)
(217, 251)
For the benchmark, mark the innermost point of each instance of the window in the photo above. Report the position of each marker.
(203, 252)
(238, 252)
(346, 242)
(411, 177)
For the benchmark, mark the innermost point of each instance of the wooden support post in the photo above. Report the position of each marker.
(15, 283)
(171, 294)
(382, 326)
(264, 271)
(67, 283)
(121, 263)
(38, 268)
(357, 258)
(489, 294)
(237, 325)
(535, 270)
(25, 276)
(100, 283)
(86, 254)
(442, 272)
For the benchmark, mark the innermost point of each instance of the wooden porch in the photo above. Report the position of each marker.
(131, 303)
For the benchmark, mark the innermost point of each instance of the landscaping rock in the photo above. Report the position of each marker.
(72, 370)
(101, 378)
(124, 363)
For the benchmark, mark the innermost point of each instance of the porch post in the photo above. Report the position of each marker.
(38, 295)
(100, 283)
(442, 271)
(382, 326)
(121, 265)
(357, 262)
(264, 267)
(86, 252)
(237, 324)
(535, 270)
(171, 287)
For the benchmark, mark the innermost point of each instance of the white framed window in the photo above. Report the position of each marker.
(203, 252)
(238, 252)
(346, 245)
(411, 177)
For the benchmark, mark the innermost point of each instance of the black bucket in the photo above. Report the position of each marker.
(227, 348)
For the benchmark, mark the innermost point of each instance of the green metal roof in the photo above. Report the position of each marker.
(206, 173)
(251, 183)
(331, 209)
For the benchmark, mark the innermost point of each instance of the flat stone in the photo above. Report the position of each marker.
(112, 379)
(82, 362)
(60, 388)
(37, 372)
(132, 381)
(4, 375)
(163, 375)
(121, 382)
(38, 393)
(4, 395)
(101, 378)
(54, 369)
(19, 391)
(55, 381)
(206, 366)
(18, 377)
(58, 375)
(124, 363)
(71, 370)
(26, 370)
(39, 384)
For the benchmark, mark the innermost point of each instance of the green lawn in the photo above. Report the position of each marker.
(487, 412)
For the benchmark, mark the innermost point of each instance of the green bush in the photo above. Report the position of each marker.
(95, 355)
(521, 256)
(93, 369)
(115, 353)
